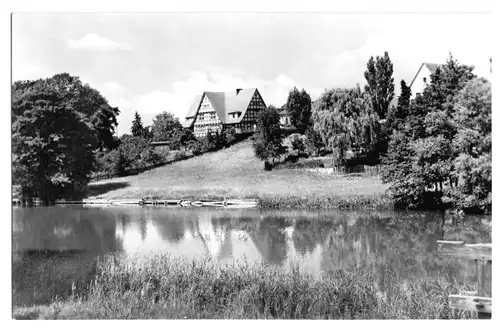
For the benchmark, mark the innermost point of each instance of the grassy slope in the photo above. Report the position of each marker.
(235, 172)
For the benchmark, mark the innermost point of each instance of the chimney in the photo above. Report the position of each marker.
(238, 90)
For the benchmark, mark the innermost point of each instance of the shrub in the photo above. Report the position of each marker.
(313, 143)
(196, 147)
(105, 161)
(230, 136)
(298, 144)
(121, 163)
(149, 157)
(180, 155)
(293, 162)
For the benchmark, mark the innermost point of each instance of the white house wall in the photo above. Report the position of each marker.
(206, 119)
(422, 80)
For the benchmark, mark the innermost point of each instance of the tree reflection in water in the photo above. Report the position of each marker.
(309, 233)
(56, 250)
(56, 246)
(270, 239)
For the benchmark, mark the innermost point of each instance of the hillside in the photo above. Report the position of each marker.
(232, 172)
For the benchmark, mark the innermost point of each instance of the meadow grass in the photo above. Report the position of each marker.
(163, 287)
(236, 173)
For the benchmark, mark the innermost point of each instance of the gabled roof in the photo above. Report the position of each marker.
(218, 102)
(194, 106)
(431, 66)
(238, 103)
(223, 103)
(193, 109)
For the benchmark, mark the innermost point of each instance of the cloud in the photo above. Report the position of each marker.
(28, 71)
(112, 87)
(96, 42)
(408, 51)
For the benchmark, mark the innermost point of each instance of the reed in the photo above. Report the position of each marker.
(339, 202)
(164, 287)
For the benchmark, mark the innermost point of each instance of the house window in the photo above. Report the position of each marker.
(425, 80)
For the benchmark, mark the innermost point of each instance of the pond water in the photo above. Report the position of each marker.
(53, 247)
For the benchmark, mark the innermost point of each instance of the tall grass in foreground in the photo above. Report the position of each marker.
(166, 287)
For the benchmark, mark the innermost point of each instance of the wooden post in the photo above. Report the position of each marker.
(483, 268)
(479, 301)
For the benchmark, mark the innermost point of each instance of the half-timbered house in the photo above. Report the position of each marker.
(214, 111)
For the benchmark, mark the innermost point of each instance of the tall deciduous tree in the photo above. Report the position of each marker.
(268, 143)
(53, 146)
(298, 107)
(380, 83)
(420, 165)
(165, 127)
(58, 123)
(137, 128)
(472, 166)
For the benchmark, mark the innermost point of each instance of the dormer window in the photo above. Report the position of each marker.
(234, 115)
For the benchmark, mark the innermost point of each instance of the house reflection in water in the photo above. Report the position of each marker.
(56, 246)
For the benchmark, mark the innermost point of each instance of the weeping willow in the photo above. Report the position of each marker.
(346, 122)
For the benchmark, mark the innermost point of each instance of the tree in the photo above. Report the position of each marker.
(147, 133)
(472, 166)
(346, 122)
(89, 103)
(421, 161)
(298, 107)
(53, 144)
(121, 163)
(72, 94)
(137, 128)
(314, 144)
(397, 115)
(268, 144)
(58, 124)
(380, 85)
(133, 148)
(165, 127)
(182, 138)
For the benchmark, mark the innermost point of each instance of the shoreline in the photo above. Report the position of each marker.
(380, 202)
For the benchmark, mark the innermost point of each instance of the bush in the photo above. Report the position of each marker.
(196, 147)
(105, 161)
(162, 153)
(121, 164)
(293, 162)
(149, 157)
(313, 143)
(298, 144)
(230, 136)
(180, 155)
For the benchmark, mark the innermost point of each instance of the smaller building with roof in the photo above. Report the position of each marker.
(423, 78)
(214, 111)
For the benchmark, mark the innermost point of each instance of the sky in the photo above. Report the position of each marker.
(152, 63)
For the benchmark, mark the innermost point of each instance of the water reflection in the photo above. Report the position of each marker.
(54, 245)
